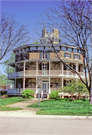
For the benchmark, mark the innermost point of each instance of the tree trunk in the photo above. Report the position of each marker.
(90, 96)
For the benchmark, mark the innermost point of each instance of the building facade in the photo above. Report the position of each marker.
(37, 67)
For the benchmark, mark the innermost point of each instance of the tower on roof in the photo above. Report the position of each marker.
(47, 36)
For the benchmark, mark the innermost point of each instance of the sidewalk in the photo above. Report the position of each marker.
(31, 112)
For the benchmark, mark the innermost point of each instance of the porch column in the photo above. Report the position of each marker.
(77, 67)
(36, 85)
(7, 77)
(49, 86)
(24, 68)
(62, 68)
(62, 82)
(49, 68)
(24, 77)
(15, 76)
(36, 68)
(24, 83)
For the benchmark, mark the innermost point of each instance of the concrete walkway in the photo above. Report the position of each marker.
(24, 104)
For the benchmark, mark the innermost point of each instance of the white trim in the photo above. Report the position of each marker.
(62, 82)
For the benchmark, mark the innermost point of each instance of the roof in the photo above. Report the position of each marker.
(43, 45)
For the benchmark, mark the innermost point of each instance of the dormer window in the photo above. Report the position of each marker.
(67, 55)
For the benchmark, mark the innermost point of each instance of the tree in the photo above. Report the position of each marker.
(3, 80)
(73, 19)
(75, 87)
(10, 60)
(12, 33)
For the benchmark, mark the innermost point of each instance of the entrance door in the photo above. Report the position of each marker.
(44, 68)
(45, 87)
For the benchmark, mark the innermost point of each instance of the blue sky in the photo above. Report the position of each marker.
(26, 12)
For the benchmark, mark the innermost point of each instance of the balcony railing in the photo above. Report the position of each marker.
(30, 72)
(16, 74)
(14, 91)
(43, 73)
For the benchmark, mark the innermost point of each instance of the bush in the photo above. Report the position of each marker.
(28, 93)
(75, 87)
(54, 95)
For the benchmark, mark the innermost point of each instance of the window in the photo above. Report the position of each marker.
(67, 55)
(70, 49)
(33, 48)
(40, 48)
(63, 48)
(57, 48)
(76, 56)
(44, 68)
(75, 50)
(44, 55)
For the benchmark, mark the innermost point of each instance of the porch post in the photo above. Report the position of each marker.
(49, 86)
(15, 76)
(24, 68)
(24, 83)
(62, 82)
(77, 67)
(62, 68)
(7, 77)
(36, 76)
(49, 68)
(24, 77)
(36, 68)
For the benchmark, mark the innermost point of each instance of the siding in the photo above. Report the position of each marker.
(34, 56)
(53, 56)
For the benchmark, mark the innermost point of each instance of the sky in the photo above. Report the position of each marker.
(25, 12)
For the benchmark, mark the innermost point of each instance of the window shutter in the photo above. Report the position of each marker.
(70, 55)
(79, 57)
(40, 55)
(47, 56)
(40, 66)
(73, 66)
(79, 68)
(64, 54)
(73, 56)
(70, 64)
(47, 66)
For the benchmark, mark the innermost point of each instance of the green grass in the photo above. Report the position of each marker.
(62, 107)
(10, 100)
(8, 108)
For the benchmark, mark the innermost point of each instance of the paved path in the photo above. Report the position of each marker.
(24, 105)
(26, 112)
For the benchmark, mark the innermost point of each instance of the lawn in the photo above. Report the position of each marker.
(10, 100)
(62, 107)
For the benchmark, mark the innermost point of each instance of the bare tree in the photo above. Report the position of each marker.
(12, 34)
(73, 19)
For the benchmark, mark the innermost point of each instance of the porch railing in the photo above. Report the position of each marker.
(43, 73)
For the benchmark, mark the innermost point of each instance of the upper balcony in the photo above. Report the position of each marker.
(43, 73)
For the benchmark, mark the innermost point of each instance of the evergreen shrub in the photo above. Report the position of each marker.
(54, 95)
(27, 93)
